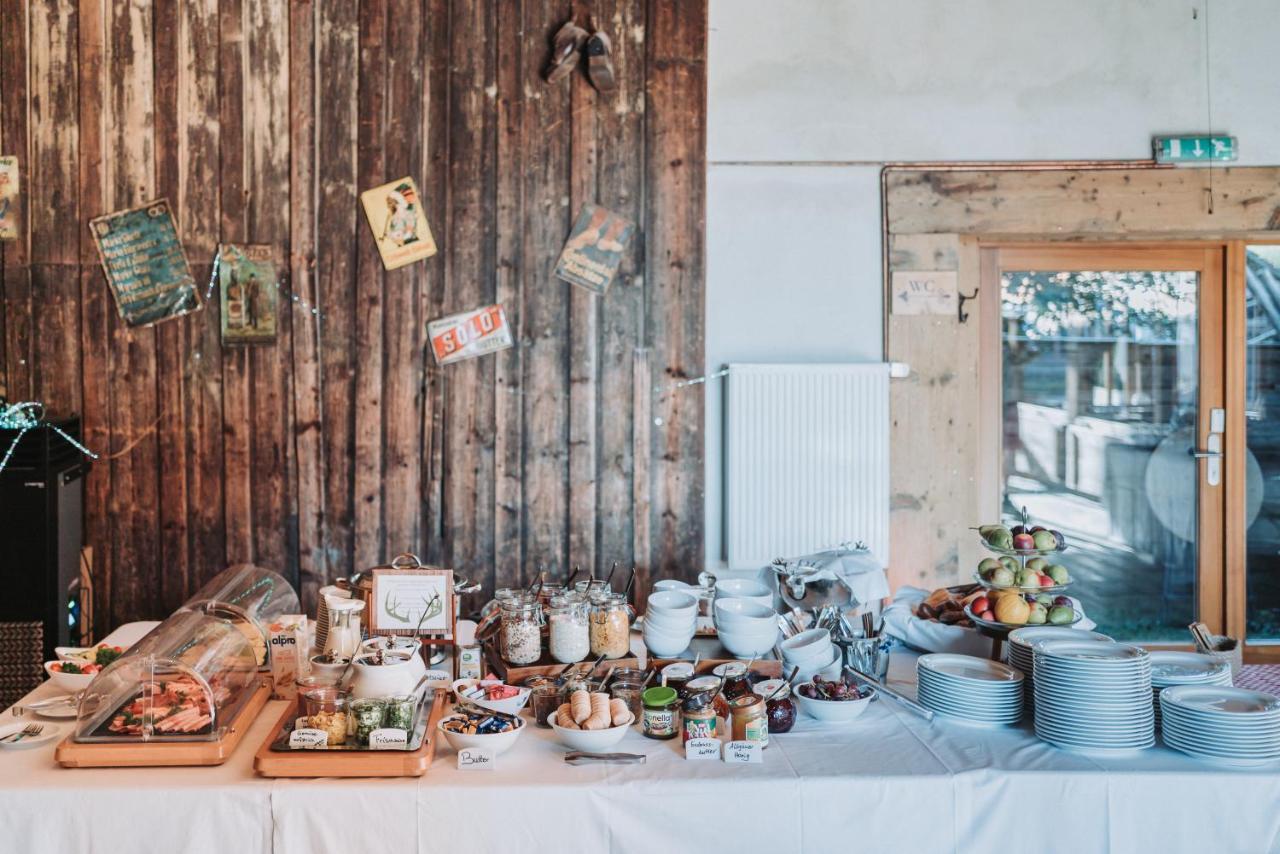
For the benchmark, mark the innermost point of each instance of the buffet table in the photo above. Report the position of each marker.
(889, 781)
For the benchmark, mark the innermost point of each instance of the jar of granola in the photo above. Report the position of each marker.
(610, 627)
(521, 631)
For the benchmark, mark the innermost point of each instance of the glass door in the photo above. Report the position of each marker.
(1112, 424)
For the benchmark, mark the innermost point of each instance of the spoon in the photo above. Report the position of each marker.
(785, 683)
(568, 582)
(612, 570)
(607, 677)
(626, 591)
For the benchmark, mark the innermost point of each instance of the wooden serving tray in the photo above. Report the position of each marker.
(136, 754)
(713, 655)
(348, 763)
(515, 674)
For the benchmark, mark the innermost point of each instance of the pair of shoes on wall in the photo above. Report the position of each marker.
(570, 42)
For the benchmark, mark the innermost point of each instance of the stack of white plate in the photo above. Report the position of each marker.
(1093, 696)
(970, 689)
(1185, 668)
(1018, 650)
(1231, 726)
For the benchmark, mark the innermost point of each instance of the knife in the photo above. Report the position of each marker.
(581, 757)
(907, 703)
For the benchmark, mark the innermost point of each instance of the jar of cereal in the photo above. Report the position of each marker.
(521, 632)
(610, 627)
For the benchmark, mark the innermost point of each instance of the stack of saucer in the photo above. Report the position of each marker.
(970, 689)
(1185, 668)
(1230, 726)
(1093, 696)
(1018, 649)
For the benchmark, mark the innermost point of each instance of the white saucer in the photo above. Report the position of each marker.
(48, 734)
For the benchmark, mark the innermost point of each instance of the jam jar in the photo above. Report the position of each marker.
(737, 683)
(781, 710)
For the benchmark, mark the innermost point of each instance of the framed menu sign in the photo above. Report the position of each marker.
(416, 602)
(145, 265)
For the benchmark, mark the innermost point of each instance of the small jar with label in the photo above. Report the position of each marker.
(698, 716)
(749, 719)
(369, 715)
(660, 713)
(780, 710)
(737, 682)
(629, 691)
(570, 636)
(400, 712)
(610, 627)
(545, 697)
(521, 631)
(677, 674)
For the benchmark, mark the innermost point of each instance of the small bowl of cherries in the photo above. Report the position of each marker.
(836, 700)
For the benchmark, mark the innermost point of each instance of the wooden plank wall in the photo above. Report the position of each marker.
(343, 444)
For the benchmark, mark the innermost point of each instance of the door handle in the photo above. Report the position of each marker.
(1212, 451)
(1204, 455)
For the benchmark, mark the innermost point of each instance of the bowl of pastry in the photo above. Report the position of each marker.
(591, 722)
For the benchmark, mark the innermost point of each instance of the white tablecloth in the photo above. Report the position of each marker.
(887, 782)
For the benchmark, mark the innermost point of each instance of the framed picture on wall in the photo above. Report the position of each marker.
(416, 602)
(249, 291)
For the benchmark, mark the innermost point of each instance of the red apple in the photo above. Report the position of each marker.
(1046, 581)
(1024, 543)
(979, 605)
(988, 616)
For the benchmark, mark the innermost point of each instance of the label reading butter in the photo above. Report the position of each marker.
(388, 739)
(308, 739)
(743, 752)
(702, 748)
(475, 759)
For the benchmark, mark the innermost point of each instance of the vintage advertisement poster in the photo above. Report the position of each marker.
(399, 223)
(145, 265)
(594, 250)
(247, 282)
(8, 198)
(469, 334)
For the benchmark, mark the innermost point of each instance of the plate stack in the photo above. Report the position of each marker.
(1093, 697)
(1022, 640)
(1230, 726)
(1185, 668)
(970, 689)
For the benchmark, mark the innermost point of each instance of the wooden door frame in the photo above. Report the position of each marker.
(1220, 378)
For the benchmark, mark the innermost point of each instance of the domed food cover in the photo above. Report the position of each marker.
(184, 681)
(252, 598)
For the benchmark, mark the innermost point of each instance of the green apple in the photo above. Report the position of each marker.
(1061, 615)
(1002, 576)
(1058, 573)
(1045, 540)
(1038, 615)
(1037, 563)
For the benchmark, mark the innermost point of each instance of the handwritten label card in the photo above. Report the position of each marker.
(702, 748)
(308, 739)
(475, 759)
(934, 292)
(743, 752)
(388, 739)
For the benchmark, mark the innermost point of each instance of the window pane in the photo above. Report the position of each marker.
(1262, 430)
(1101, 374)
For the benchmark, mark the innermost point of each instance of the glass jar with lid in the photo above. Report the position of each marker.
(737, 682)
(521, 631)
(569, 639)
(610, 627)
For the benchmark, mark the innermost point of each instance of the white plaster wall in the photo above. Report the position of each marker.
(808, 97)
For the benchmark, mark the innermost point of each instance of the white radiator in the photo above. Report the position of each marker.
(806, 460)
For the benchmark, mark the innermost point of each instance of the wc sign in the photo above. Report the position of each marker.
(928, 292)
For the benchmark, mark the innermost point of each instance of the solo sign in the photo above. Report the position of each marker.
(469, 334)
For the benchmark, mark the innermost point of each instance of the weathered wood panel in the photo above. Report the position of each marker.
(343, 442)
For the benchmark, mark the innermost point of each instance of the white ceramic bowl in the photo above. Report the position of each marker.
(809, 647)
(673, 603)
(744, 588)
(666, 622)
(69, 682)
(498, 742)
(671, 584)
(510, 706)
(87, 654)
(830, 669)
(590, 740)
(664, 644)
(748, 644)
(744, 613)
(838, 711)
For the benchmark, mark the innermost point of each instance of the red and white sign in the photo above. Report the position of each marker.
(469, 334)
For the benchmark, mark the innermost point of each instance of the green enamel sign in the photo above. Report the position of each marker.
(1194, 148)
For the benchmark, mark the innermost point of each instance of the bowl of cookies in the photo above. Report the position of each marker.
(591, 722)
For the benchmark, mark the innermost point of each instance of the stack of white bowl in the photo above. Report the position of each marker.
(747, 628)
(1093, 696)
(1221, 724)
(1185, 668)
(669, 621)
(1018, 650)
(814, 653)
(744, 588)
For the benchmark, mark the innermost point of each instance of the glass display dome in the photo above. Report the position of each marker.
(185, 681)
(251, 598)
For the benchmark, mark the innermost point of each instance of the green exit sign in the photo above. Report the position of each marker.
(1194, 148)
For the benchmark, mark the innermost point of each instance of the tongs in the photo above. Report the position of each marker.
(906, 702)
(582, 757)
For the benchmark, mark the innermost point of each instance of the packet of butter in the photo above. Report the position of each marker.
(290, 658)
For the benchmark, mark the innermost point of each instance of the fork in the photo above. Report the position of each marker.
(28, 730)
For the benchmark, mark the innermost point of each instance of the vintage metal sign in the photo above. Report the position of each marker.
(249, 289)
(594, 249)
(399, 223)
(469, 334)
(145, 265)
(8, 198)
